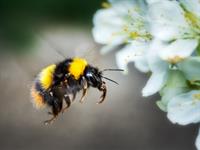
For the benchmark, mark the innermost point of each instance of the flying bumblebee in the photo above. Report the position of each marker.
(58, 83)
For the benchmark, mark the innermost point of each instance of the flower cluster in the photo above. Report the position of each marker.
(161, 37)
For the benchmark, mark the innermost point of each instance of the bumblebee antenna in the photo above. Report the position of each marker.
(112, 70)
(110, 80)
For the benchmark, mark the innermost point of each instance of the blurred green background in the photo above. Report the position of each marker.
(22, 18)
(29, 30)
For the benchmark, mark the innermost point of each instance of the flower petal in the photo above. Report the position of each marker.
(158, 67)
(141, 3)
(107, 25)
(164, 26)
(155, 83)
(153, 58)
(185, 108)
(132, 52)
(141, 64)
(152, 1)
(197, 143)
(178, 50)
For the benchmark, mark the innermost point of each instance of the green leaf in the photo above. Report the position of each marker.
(161, 106)
(176, 84)
(169, 93)
(198, 49)
(191, 68)
(176, 79)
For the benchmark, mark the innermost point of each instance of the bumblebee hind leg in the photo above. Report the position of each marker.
(67, 101)
(69, 97)
(56, 109)
(50, 121)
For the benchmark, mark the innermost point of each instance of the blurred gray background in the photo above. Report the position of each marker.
(126, 120)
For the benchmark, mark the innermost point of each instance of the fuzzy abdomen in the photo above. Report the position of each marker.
(37, 97)
(41, 85)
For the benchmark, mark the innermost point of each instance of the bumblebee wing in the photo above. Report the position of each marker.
(88, 51)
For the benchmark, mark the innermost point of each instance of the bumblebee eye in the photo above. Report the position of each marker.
(89, 75)
(91, 78)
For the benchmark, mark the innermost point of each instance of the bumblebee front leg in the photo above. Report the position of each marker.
(104, 90)
(85, 87)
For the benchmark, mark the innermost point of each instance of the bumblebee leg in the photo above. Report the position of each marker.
(50, 113)
(68, 102)
(85, 87)
(50, 121)
(73, 96)
(83, 95)
(70, 93)
(104, 90)
(56, 108)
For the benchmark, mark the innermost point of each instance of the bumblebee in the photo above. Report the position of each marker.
(59, 83)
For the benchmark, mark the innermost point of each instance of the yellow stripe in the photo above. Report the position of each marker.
(38, 100)
(46, 76)
(77, 67)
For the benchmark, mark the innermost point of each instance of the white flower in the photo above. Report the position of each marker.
(160, 57)
(156, 57)
(165, 42)
(158, 67)
(109, 22)
(121, 23)
(185, 108)
(124, 23)
(174, 24)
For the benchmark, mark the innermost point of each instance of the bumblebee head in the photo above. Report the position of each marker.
(93, 76)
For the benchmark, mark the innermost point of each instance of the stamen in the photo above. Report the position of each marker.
(106, 5)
